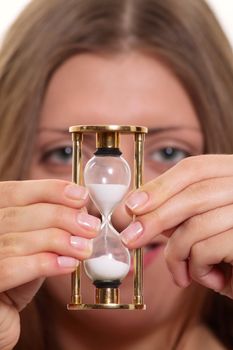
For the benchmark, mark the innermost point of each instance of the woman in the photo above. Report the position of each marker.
(165, 65)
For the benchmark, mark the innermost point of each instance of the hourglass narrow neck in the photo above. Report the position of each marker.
(106, 218)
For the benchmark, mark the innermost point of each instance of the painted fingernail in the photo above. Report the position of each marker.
(66, 261)
(76, 192)
(88, 221)
(137, 199)
(132, 232)
(81, 243)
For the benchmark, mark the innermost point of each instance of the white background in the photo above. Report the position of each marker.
(223, 9)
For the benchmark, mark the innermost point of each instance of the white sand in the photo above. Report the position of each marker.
(107, 196)
(106, 268)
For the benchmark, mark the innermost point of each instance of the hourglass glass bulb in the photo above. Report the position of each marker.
(110, 261)
(107, 176)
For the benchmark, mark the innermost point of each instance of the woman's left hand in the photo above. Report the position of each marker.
(192, 204)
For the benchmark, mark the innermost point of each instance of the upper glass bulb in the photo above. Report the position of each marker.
(107, 178)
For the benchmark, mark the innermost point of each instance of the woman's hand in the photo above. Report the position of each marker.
(192, 204)
(42, 233)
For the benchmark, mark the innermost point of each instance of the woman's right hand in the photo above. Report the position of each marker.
(41, 234)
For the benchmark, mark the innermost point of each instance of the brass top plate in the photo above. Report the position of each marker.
(124, 129)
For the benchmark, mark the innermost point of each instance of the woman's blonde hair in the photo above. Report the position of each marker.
(183, 33)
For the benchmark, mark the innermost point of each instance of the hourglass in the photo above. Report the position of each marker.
(107, 176)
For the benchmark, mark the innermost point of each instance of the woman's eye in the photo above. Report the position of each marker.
(170, 155)
(58, 156)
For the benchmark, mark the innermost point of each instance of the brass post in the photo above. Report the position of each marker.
(76, 178)
(138, 253)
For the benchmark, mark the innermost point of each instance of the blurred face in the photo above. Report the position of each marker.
(133, 89)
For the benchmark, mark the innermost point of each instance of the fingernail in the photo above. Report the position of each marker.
(88, 221)
(76, 192)
(137, 199)
(66, 261)
(81, 243)
(132, 232)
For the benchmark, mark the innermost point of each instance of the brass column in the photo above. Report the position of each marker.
(76, 178)
(138, 253)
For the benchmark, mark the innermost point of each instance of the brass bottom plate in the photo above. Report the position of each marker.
(106, 306)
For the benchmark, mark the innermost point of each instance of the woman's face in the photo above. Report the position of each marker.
(126, 89)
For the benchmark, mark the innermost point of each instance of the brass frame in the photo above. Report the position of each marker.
(108, 136)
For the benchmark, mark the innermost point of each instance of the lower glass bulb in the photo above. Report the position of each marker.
(110, 260)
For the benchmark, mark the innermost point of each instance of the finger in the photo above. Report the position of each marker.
(196, 199)
(9, 321)
(22, 193)
(192, 231)
(140, 232)
(188, 171)
(41, 216)
(16, 271)
(204, 259)
(49, 240)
